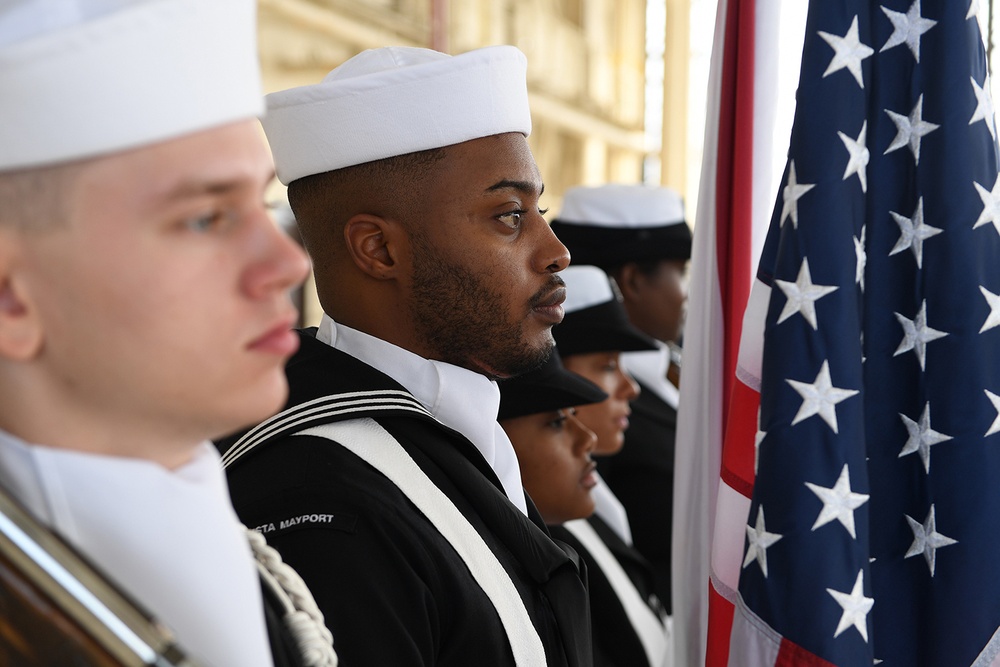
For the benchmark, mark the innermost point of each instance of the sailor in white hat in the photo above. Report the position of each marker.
(387, 481)
(630, 624)
(143, 296)
(538, 413)
(637, 233)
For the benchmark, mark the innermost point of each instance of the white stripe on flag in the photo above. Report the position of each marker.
(730, 530)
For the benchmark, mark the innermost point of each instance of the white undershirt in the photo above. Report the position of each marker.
(610, 509)
(460, 399)
(169, 537)
(650, 367)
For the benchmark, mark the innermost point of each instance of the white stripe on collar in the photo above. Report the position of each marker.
(389, 458)
(460, 399)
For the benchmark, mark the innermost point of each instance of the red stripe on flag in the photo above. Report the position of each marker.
(733, 243)
(720, 613)
(734, 182)
(738, 452)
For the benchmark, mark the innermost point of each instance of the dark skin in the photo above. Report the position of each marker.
(654, 297)
(553, 452)
(467, 225)
(609, 418)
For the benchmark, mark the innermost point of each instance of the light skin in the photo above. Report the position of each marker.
(609, 418)
(655, 300)
(157, 314)
(553, 452)
(468, 274)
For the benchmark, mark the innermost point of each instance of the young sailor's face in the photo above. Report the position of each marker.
(485, 284)
(656, 304)
(164, 298)
(609, 418)
(553, 452)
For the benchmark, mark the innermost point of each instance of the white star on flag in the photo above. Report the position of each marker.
(984, 106)
(916, 335)
(856, 607)
(861, 259)
(926, 539)
(759, 540)
(839, 502)
(993, 300)
(802, 295)
(910, 129)
(907, 28)
(913, 232)
(991, 205)
(848, 52)
(922, 170)
(857, 163)
(922, 437)
(791, 194)
(820, 397)
(995, 400)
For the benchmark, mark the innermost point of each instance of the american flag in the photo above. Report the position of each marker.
(873, 535)
(731, 222)
(751, 83)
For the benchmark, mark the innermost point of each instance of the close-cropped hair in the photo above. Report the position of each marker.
(389, 188)
(323, 203)
(35, 199)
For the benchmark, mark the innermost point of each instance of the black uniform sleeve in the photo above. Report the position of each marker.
(373, 586)
(391, 589)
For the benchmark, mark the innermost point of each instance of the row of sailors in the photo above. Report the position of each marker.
(144, 310)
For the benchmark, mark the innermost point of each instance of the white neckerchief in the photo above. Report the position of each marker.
(169, 537)
(460, 399)
(610, 509)
(649, 367)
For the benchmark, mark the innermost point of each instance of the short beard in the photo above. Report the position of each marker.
(459, 318)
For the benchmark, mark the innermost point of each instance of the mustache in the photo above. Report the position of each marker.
(546, 292)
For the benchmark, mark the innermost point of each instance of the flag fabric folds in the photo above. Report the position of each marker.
(735, 200)
(873, 338)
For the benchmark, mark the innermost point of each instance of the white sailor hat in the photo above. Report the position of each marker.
(595, 319)
(82, 78)
(610, 225)
(396, 100)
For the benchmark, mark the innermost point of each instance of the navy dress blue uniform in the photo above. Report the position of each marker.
(616, 640)
(392, 589)
(640, 227)
(641, 476)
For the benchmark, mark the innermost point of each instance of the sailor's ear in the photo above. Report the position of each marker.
(630, 281)
(376, 245)
(21, 332)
